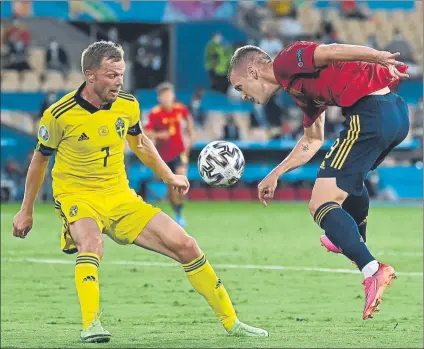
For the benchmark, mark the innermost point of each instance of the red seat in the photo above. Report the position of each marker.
(242, 194)
(284, 194)
(219, 194)
(198, 194)
(304, 193)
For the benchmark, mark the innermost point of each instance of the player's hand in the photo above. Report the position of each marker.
(180, 183)
(388, 60)
(266, 188)
(22, 224)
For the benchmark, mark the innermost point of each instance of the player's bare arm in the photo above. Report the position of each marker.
(325, 54)
(304, 150)
(145, 150)
(22, 222)
(191, 132)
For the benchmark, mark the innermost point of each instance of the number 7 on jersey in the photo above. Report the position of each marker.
(106, 149)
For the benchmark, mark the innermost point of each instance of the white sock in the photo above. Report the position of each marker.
(370, 269)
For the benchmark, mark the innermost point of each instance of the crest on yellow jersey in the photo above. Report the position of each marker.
(120, 127)
(73, 211)
(103, 131)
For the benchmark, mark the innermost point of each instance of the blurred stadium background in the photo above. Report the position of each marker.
(270, 259)
(190, 44)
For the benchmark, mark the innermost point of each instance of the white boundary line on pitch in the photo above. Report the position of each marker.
(222, 266)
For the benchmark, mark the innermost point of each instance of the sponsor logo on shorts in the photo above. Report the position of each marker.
(73, 211)
(299, 57)
(43, 133)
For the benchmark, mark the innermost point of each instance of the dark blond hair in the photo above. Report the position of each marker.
(93, 56)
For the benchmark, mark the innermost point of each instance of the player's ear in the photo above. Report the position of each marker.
(89, 76)
(252, 72)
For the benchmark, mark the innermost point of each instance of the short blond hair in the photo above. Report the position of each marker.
(164, 86)
(247, 53)
(93, 56)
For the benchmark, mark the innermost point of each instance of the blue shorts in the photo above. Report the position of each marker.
(373, 127)
(178, 161)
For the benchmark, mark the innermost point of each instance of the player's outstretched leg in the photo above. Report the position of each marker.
(164, 236)
(357, 206)
(89, 241)
(342, 230)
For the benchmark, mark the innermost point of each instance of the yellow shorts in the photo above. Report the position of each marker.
(120, 215)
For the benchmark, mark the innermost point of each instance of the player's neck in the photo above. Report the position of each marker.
(268, 75)
(91, 97)
(168, 107)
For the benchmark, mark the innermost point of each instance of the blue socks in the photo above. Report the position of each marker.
(177, 208)
(357, 207)
(342, 230)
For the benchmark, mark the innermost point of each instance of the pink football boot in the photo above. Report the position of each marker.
(374, 289)
(325, 241)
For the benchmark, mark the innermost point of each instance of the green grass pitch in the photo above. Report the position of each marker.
(148, 302)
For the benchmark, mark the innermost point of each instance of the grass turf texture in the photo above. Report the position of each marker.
(154, 306)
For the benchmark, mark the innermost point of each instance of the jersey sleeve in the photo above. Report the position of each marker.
(295, 59)
(311, 114)
(151, 121)
(135, 127)
(49, 134)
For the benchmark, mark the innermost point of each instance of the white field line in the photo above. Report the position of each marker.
(219, 266)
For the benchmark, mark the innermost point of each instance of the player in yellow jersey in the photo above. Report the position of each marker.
(87, 129)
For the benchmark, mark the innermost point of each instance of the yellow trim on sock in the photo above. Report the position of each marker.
(324, 211)
(89, 254)
(196, 264)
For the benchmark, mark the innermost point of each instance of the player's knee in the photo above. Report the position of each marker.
(92, 245)
(187, 249)
(188, 244)
(312, 207)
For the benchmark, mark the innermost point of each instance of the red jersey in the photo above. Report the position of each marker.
(338, 84)
(161, 119)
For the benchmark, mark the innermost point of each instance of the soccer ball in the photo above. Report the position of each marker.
(221, 164)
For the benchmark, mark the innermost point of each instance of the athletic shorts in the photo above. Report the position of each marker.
(121, 215)
(373, 127)
(178, 161)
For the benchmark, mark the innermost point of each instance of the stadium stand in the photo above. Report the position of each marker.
(23, 93)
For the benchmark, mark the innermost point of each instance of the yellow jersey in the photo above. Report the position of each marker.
(89, 142)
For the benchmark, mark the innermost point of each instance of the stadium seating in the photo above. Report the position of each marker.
(9, 80)
(198, 194)
(37, 59)
(243, 194)
(30, 82)
(285, 194)
(53, 79)
(219, 194)
(32, 86)
(75, 79)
